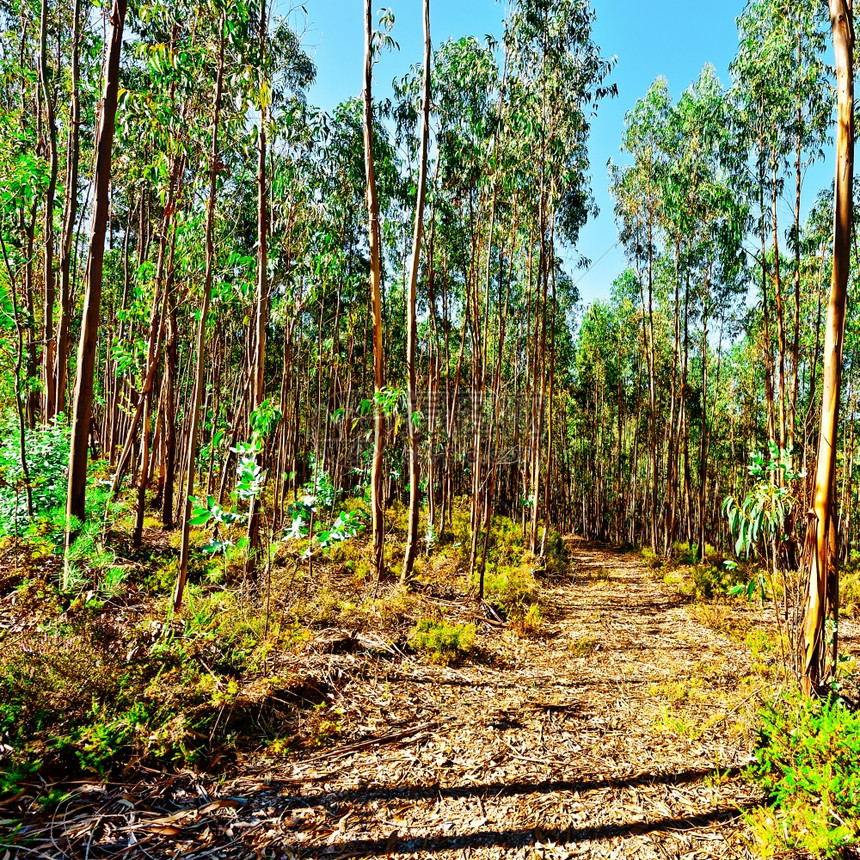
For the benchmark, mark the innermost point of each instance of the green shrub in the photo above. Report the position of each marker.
(98, 691)
(443, 642)
(712, 580)
(510, 589)
(528, 622)
(47, 452)
(688, 553)
(808, 763)
(556, 552)
(651, 559)
(507, 542)
(758, 642)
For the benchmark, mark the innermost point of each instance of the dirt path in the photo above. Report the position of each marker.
(609, 736)
(613, 734)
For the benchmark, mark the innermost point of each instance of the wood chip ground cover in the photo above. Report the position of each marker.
(619, 731)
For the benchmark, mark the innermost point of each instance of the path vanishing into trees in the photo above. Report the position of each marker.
(593, 740)
(617, 732)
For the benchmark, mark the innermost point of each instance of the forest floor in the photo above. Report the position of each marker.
(617, 731)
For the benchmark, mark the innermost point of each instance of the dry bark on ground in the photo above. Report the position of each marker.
(618, 732)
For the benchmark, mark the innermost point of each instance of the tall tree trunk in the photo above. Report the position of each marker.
(765, 310)
(411, 322)
(780, 315)
(171, 357)
(83, 394)
(28, 227)
(50, 404)
(69, 217)
(197, 396)
(703, 439)
(258, 392)
(822, 598)
(376, 476)
(795, 343)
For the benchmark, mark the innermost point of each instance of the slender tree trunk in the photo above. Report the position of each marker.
(703, 441)
(50, 404)
(259, 367)
(765, 309)
(376, 475)
(83, 394)
(28, 227)
(820, 639)
(69, 217)
(795, 343)
(171, 356)
(780, 317)
(197, 396)
(411, 322)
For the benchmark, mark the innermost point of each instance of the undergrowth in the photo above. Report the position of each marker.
(807, 763)
(695, 577)
(442, 642)
(100, 673)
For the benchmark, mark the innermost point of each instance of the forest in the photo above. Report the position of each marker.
(333, 521)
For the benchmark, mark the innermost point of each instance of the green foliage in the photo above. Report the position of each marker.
(91, 560)
(756, 585)
(807, 763)
(758, 642)
(320, 497)
(713, 580)
(531, 622)
(688, 553)
(512, 590)
(320, 491)
(763, 513)
(651, 559)
(251, 476)
(344, 527)
(99, 691)
(47, 452)
(556, 552)
(15, 772)
(443, 642)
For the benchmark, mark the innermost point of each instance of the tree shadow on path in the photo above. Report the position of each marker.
(517, 838)
(498, 789)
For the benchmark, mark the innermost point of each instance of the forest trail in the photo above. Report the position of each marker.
(609, 736)
(614, 733)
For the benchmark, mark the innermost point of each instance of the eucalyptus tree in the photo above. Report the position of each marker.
(411, 322)
(371, 44)
(161, 108)
(604, 369)
(560, 72)
(466, 83)
(278, 71)
(714, 222)
(780, 84)
(220, 16)
(639, 195)
(70, 206)
(23, 178)
(83, 393)
(48, 275)
(820, 627)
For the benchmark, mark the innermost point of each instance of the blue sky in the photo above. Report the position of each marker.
(648, 37)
